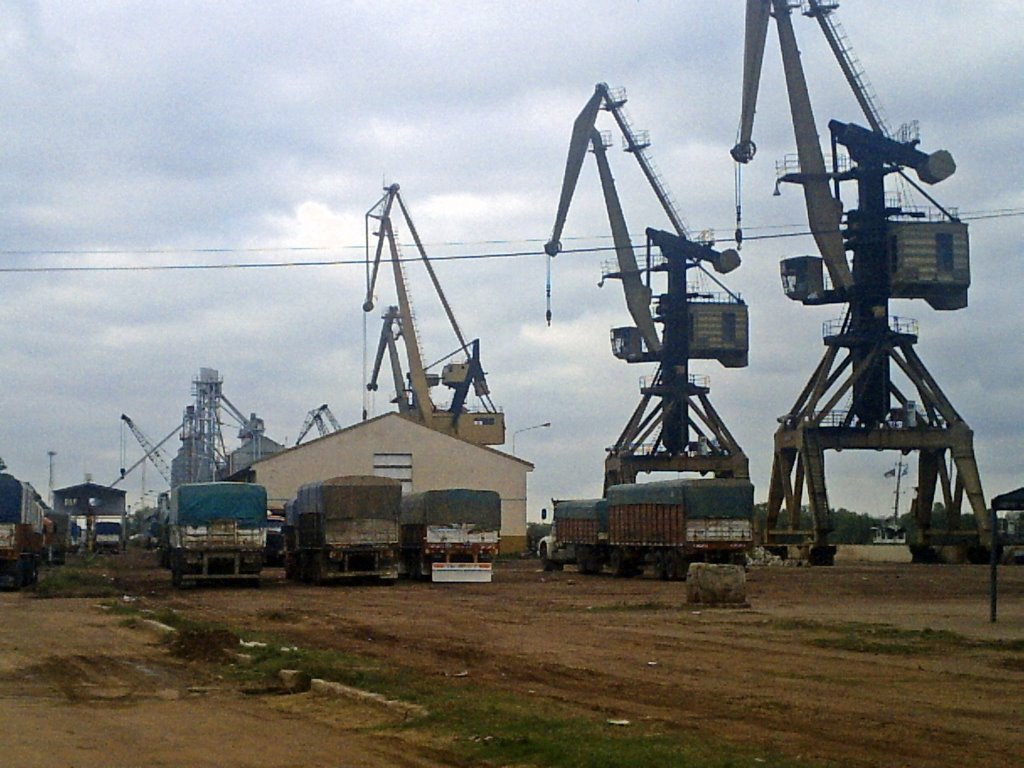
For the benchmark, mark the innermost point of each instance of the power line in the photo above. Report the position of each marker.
(802, 232)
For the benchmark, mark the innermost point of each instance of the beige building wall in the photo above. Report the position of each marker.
(438, 461)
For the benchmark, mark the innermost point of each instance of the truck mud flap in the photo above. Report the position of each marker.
(450, 573)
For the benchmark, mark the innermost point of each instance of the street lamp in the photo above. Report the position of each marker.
(527, 429)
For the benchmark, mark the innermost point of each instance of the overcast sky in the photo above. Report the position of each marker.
(140, 134)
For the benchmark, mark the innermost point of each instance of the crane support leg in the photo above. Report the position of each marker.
(930, 426)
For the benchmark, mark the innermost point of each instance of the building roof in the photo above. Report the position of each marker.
(90, 488)
(1011, 500)
(392, 415)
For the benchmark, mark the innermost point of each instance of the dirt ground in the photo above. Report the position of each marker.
(813, 669)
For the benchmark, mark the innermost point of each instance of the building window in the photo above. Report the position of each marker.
(729, 328)
(944, 251)
(394, 465)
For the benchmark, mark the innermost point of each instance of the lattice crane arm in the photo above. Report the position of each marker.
(152, 451)
(316, 417)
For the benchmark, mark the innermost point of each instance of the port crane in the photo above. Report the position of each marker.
(852, 400)
(463, 376)
(322, 418)
(675, 427)
(152, 451)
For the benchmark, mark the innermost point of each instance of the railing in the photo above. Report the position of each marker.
(790, 164)
(906, 326)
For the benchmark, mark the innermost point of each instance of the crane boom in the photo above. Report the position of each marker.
(638, 294)
(755, 35)
(824, 211)
(848, 63)
(578, 142)
(388, 337)
(152, 451)
(637, 147)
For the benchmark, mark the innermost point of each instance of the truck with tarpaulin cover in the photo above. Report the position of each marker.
(450, 535)
(579, 536)
(672, 523)
(21, 532)
(216, 531)
(344, 528)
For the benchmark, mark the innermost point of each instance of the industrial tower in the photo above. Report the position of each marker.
(202, 456)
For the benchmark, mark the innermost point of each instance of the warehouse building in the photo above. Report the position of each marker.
(393, 446)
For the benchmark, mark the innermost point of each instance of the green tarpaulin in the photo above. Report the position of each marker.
(203, 503)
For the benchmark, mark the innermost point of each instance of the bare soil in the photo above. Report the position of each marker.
(874, 665)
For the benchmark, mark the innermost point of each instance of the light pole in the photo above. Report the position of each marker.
(527, 429)
(51, 454)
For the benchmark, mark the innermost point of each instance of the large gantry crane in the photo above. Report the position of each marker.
(674, 428)
(852, 400)
(483, 426)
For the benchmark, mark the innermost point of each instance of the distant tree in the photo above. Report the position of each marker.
(852, 527)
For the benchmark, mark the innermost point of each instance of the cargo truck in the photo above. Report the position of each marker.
(450, 535)
(672, 523)
(107, 535)
(56, 536)
(344, 528)
(21, 532)
(579, 536)
(216, 531)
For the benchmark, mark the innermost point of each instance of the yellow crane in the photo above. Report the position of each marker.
(462, 371)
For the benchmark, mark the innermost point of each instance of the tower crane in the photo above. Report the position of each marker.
(852, 400)
(674, 427)
(152, 451)
(484, 426)
(324, 421)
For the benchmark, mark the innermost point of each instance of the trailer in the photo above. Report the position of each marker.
(672, 523)
(216, 531)
(344, 528)
(452, 535)
(579, 536)
(21, 532)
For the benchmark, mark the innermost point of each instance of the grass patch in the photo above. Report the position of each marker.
(887, 639)
(620, 607)
(884, 640)
(469, 723)
(83, 579)
(493, 728)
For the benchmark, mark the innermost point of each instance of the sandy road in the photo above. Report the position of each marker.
(844, 666)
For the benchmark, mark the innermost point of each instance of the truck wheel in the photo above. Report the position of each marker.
(619, 565)
(672, 566)
(661, 566)
(176, 576)
(546, 562)
(19, 575)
